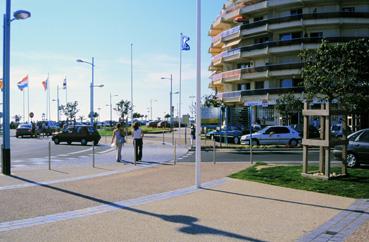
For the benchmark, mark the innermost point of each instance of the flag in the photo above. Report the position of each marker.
(45, 84)
(65, 83)
(1, 84)
(23, 83)
(184, 44)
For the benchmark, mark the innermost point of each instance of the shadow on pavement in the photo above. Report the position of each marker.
(188, 222)
(285, 201)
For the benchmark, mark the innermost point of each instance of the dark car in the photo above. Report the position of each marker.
(26, 130)
(313, 131)
(232, 133)
(357, 149)
(77, 133)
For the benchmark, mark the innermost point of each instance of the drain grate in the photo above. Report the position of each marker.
(330, 232)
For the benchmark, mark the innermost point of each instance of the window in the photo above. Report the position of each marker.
(295, 12)
(244, 65)
(284, 37)
(348, 10)
(243, 86)
(286, 83)
(296, 35)
(258, 19)
(259, 85)
(355, 135)
(261, 40)
(316, 35)
(364, 137)
(281, 130)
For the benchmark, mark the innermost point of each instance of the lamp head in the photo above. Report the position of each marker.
(79, 60)
(21, 14)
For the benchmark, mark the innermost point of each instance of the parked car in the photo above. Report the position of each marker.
(232, 133)
(78, 133)
(273, 135)
(313, 131)
(47, 127)
(357, 148)
(163, 124)
(152, 124)
(26, 129)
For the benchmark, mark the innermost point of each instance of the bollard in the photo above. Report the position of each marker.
(214, 151)
(185, 135)
(134, 151)
(163, 138)
(175, 152)
(49, 155)
(93, 155)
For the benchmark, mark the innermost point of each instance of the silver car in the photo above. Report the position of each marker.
(274, 135)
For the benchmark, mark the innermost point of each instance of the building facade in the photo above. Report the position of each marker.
(256, 44)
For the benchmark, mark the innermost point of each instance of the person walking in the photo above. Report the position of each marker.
(137, 135)
(118, 136)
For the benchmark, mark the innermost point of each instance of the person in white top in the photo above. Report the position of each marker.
(137, 135)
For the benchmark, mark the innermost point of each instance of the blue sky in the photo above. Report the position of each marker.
(61, 31)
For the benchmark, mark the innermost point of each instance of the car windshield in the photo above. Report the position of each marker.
(264, 129)
(25, 126)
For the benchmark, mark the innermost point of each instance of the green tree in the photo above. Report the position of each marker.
(70, 110)
(340, 73)
(288, 105)
(212, 101)
(122, 108)
(137, 115)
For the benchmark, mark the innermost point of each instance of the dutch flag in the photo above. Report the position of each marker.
(23, 83)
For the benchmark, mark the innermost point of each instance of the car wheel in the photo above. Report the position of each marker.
(351, 160)
(17, 136)
(255, 142)
(293, 143)
(96, 142)
(56, 141)
(236, 140)
(83, 142)
(69, 142)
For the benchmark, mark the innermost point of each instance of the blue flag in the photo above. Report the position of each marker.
(184, 44)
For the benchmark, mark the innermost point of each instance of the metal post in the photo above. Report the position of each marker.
(175, 152)
(134, 151)
(49, 155)
(171, 107)
(185, 135)
(111, 112)
(198, 96)
(163, 138)
(6, 164)
(57, 104)
(250, 115)
(92, 92)
(132, 82)
(93, 155)
(214, 151)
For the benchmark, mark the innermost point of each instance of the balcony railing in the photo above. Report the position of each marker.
(238, 94)
(226, 54)
(228, 75)
(305, 17)
(227, 33)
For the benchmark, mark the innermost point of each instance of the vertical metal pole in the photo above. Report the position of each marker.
(134, 151)
(111, 112)
(132, 82)
(49, 155)
(198, 96)
(214, 151)
(185, 135)
(6, 163)
(92, 93)
(175, 152)
(180, 89)
(163, 138)
(171, 108)
(57, 104)
(93, 155)
(250, 115)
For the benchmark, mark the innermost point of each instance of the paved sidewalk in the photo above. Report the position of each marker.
(153, 202)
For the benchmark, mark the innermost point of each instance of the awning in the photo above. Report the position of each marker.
(232, 43)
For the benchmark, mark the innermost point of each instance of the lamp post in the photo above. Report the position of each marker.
(111, 108)
(151, 100)
(18, 15)
(92, 64)
(171, 106)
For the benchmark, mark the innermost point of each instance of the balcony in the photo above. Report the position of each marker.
(227, 35)
(227, 76)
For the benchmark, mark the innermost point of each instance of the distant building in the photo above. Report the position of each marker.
(255, 47)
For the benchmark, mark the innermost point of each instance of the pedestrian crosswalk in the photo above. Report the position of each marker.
(188, 154)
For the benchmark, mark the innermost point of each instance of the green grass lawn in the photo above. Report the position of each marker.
(146, 130)
(355, 185)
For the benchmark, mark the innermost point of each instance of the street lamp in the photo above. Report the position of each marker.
(171, 107)
(151, 100)
(92, 64)
(18, 15)
(111, 109)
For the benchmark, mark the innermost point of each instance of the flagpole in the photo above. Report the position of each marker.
(48, 97)
(28, 103)
(24, 106)
(57, 104)
(198, 96)
(180, 88)
(66, 91)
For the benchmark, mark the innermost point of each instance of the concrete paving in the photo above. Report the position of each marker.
(158, 202)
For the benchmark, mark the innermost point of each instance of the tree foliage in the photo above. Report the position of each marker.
(288, 104)
(122, 108)
(338, 72)
(137, 115)
(70, 109)
(212, 101)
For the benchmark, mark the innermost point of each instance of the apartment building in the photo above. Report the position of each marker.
(255, 46)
